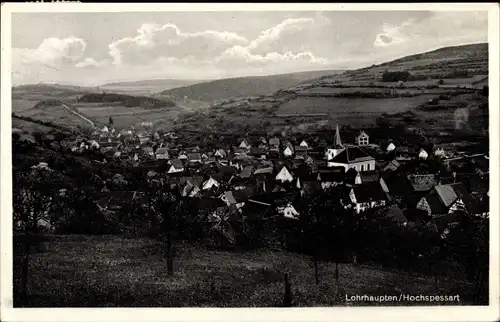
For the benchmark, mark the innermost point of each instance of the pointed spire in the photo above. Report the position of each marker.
(338, 142)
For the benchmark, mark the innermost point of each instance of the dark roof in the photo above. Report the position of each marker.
(300, 148)
(197, 204)
(274, 141)
(369, 176)
(311, 187)
(236, 196)
(473, 182)
(422, 182)
(247, 171)
(194, 156)
(368, 192)
(272, 198)
(177, 163)
(257, 151)
(264, 171)
(351, 154)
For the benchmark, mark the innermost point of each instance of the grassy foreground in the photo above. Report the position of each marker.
(110, 271)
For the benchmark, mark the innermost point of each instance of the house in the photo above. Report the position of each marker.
(422, 154)
(182, 155)
(267, 171)
(301, 152)
(447, 199)
(162, 153)
(353, 157)
(244, 144)
(220, 153)
(391, 166)
(362, 139)
(190, 186)
(390, 147)
(210, 183)
(422, 182)
(176, 166)
(259, 153)
(274, 144)
(148, 151)
(288, 151)
(366, 195)
(273, 204)
(235, 198)
(331, 177)
(304, 144)
(284, 175)
(194, 157)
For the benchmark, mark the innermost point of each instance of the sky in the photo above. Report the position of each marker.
(98, 48)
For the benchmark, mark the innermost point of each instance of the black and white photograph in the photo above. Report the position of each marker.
(231, 158)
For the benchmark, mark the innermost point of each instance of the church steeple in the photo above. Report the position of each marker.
(338, 142)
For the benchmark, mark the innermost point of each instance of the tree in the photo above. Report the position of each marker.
(34, 193)
(110, 121)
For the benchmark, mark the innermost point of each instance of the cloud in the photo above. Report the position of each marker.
(439, 29)
(54, 51)
(90, 62)
(155, 41)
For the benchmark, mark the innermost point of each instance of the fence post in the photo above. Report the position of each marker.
(287, 298)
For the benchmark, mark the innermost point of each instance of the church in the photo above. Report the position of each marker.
(348, 156)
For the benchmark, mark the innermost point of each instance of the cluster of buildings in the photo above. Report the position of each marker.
(251, 176)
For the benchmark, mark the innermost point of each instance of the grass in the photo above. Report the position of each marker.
(344, 106)
(110, 271)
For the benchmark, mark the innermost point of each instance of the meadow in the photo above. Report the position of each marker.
(114, 271)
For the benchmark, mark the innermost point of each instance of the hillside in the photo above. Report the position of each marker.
(115, 271)
(36, 102)
(228, 88)
(421, 91)
(147, 87)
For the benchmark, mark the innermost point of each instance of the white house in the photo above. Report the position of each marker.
(105, 129)
(439, 152)
(162, 153)
(288, 151)
(244, 144)
(220, 153)
(210, 183)
(366, 196)
(423, 154)
(362, 139)
(288, 211)
(175, 166)
(304, 144)
(284, 175)
(391, 147)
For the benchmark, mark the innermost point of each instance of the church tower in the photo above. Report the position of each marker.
(337, 145)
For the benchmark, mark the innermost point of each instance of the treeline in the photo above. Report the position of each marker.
(396, 76)
(45, 123)
(49, 102)
(126, 100)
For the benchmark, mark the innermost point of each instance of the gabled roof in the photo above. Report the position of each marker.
(161, 151)
(236, 196)
(257, 151)
(264, 171)
(351, 155)
(366, 192)
(369, 176)
(274, 141)
(177, 164)
(194, 156)
(247, 171)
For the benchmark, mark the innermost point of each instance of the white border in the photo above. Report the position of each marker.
(490, 313)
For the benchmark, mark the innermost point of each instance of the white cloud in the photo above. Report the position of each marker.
(154, 41)
(90, 62)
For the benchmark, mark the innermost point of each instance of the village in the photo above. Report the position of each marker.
(251, 176)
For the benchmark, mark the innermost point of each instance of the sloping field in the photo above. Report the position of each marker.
(365, 106)
(112, 271)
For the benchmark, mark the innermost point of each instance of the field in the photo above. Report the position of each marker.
(125, 116)
(115, 271)
(346, 106)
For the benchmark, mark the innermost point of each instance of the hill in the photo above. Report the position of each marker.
(228, 88)
(72, 105)
(420, 91)
(147, 87)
